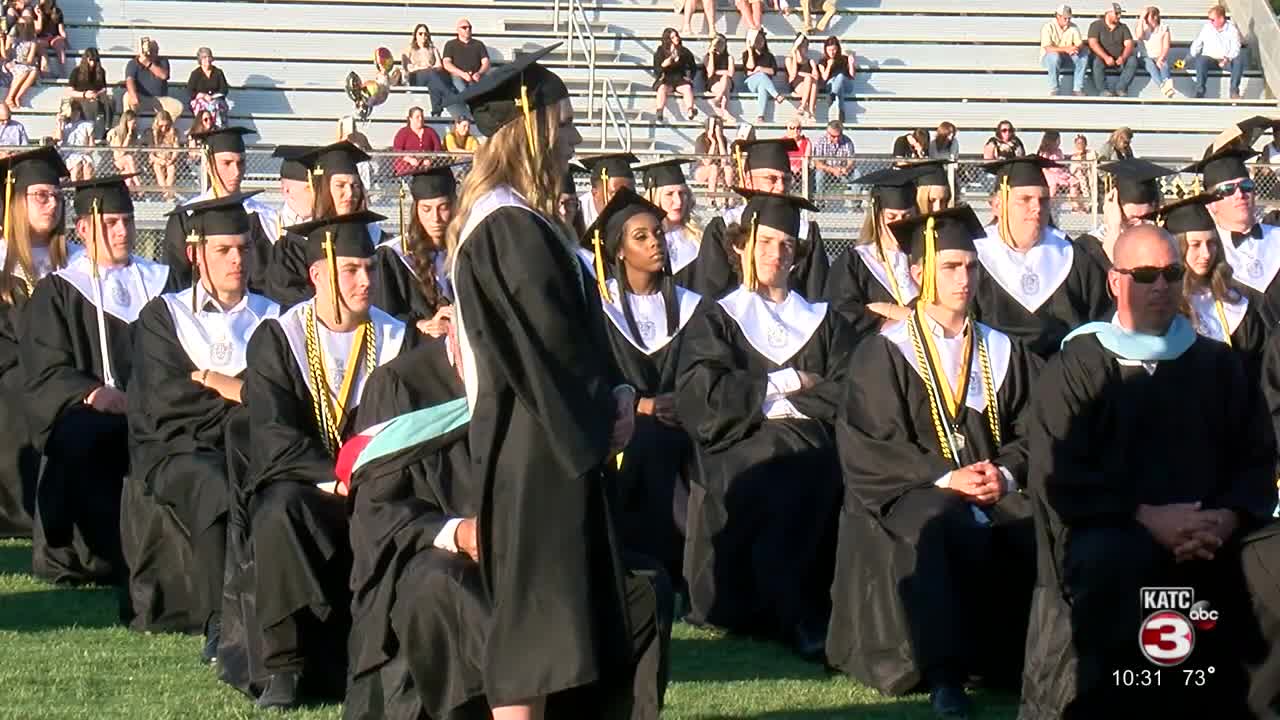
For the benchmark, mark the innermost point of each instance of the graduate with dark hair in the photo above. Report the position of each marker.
(1131, 191)
(936, 557)
(607, 173)
(420, 247)
(759, 389)
(77, 355)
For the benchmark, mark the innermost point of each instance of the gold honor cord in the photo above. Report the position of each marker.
(938, 387)
(331, 261)
(328, 417)
(193, 245)
(749, 256)
(598, 251)
(1222, 318)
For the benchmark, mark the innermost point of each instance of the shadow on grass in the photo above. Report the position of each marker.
(729, 658)
(15, 558)
(57, 608)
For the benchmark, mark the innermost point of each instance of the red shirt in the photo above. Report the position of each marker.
(407, 141)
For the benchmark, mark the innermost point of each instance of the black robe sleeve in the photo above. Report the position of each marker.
(718, 401)
(809, 278)
(1247, 485)
(1015, 404)
(824, 400)
(54, 381)
(1089, 281)
(1250, 341)
(287, 279)
(711, 275)
(1271, 384)
(850, 290)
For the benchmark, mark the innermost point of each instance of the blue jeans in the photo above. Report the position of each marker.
(838, 85)
(458, 83)
(1127, 71)
(1158, 76)
(441, 90)
(1204, 63)
(762, 85)
(1052, 62)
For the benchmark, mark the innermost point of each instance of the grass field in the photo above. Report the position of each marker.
(62, 656)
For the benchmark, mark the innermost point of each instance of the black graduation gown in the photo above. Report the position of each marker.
(260, 250)
(399, 291)
(19, 460)
(77, 533)
(652, 484)
(1099, 441)
(1092, 247)
(1256, 265)
(714, 277)
(853, 284)
(921, 587)
(176, 498)
(1248, 331)
(761, 532)
(1070, 291)
(542, 403)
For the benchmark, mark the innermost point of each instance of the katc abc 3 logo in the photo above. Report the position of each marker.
(1173, 617)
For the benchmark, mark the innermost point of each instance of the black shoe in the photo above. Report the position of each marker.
(281, 691)
(212, 634)
(950, 702)
(809, 643)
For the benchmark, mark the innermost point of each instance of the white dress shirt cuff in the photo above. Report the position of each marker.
(444, 539)
(1010, 485)
(782, 383)
(944, 481)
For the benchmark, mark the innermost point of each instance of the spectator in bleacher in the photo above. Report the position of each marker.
(465, 58)
(945, 145)
(12, 132)
(146, 81)
(752, 12)
(164, 162)
(1153, 45)
(1118, 147)
(1220, 43)
(124, 138)
(459, 138)
(1058, 177)
(673, 68)
(25, 66)
(203, 123)
(833, 159)
(1005, 144)
(912, 146)
(88, 89)
(73, 130)
(424, 67)
(1062, 43)
(1271, 151)
(1082, 162)
(51, 34)
(414, 137)
(209, 88)
(1112, 46)
(836, 70)
(713, 168)
(708, 11)
(720, 71)
(803, 75)
(804, 148)
(759, 65)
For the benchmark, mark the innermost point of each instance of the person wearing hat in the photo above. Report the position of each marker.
(305, 374)
(666, 187)
(77, 355)
(933, 460)
(191, 354)
(420, 249)
(543, 459)
(295, 187)
(1111, 45)
(1036, 285)
(1149, 460)
(760, 380)
(608, 173)
(1061, 42)
(35, 245)
(1132, 191)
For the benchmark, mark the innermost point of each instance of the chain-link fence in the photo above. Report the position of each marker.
(842, 201)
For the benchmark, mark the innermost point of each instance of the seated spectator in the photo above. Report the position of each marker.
(673, 68)
(465, 58)
(208, 87)
(51, 34)
(25, 66)
(1004, 145)
(1118, 147)
(945, 145)
(164, 162)
(146, 82)
(829, 11)
(73, 131)
(708, 12)
(459, 137)
(759, 65)
(803, 75)
(1153, 38)
(1112, 46)
(425, 68)
(88, 89)
(804, 148)
(202, 124)
(1061, 42)
(1082, 162)
(720, 72)
(912, 146)
(1058, 176)
(713, 167)
(12, 133)
(1271, 151)
(1219, 42)
(123, 138)
(836, 70)
(833, 160)
(414, 137)
(752, 12)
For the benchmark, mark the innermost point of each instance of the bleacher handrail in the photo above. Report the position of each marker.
(1256, 20)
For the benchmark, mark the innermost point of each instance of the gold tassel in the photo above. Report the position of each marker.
(215, 184)
(527, 107)
(604, 187)
(741, 164)
(404, 250)
(1006, 233)
(193, 242)
(8, 205)
(929, 283)
(749, 257)
(95, 215)
(597, 247)
(332, 262)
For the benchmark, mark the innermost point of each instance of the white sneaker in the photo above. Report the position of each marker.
(1167, 86)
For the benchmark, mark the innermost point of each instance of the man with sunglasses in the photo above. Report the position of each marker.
(1133, 190)
(1150, 456)
(465, 58)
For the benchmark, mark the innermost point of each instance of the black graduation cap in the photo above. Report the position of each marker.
(624, 205)
(1189, 214)
(42, 166)
(663, 173)
(953, 229)
(1136, 180)
(1221, 166)
(780, 212)
(217, 216)
(290, 167)
(340, 158)
(434, 182)
(349, 234)
(615, 164)
(501, 94)
(933, 173)
(893, 188)
(109, 192)
(764, 154)
(1243, 134)
(227, 139)
(1025, 171)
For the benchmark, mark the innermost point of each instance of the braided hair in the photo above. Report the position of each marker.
(618, 269)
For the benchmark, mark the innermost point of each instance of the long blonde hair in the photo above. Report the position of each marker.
(18, 263)
(507, 159)
(692, 228)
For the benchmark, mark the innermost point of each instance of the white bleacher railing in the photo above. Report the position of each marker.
(1256, 19)
(578, 32)
(613, 116)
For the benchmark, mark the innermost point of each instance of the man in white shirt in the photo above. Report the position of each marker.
(1219, 42)
(1061, 42)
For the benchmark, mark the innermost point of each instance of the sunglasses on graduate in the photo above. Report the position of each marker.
(1146, 275)
(1227, 189)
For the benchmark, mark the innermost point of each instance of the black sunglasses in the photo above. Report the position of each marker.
(1146, 275)
(1227, 189)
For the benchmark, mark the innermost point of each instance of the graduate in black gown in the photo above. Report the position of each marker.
(1036, 284)
(608, 173)
(421, 245)
(759, 389)
(647, 312)
(295, 188)
(76, 355)
(937, 552)
(1131, 190)
(665, 186)
(764, 166)
(224, 152)
(546, 415)
(35, 245)
(305, 374)
(1149, 459)
(190, 346)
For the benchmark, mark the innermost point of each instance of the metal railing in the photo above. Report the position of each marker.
(613, 116)
(578, 31)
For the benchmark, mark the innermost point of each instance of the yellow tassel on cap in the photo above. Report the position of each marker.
(215, 183)
(527, 108)
(749, 257)
(741, 163)
(8, 205)
(193, 242)
(597, 247)
(929, 283)
(332, 261)
(95, 215)
(1006, 233)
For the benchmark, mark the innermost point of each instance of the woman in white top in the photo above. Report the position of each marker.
(1152, 37)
